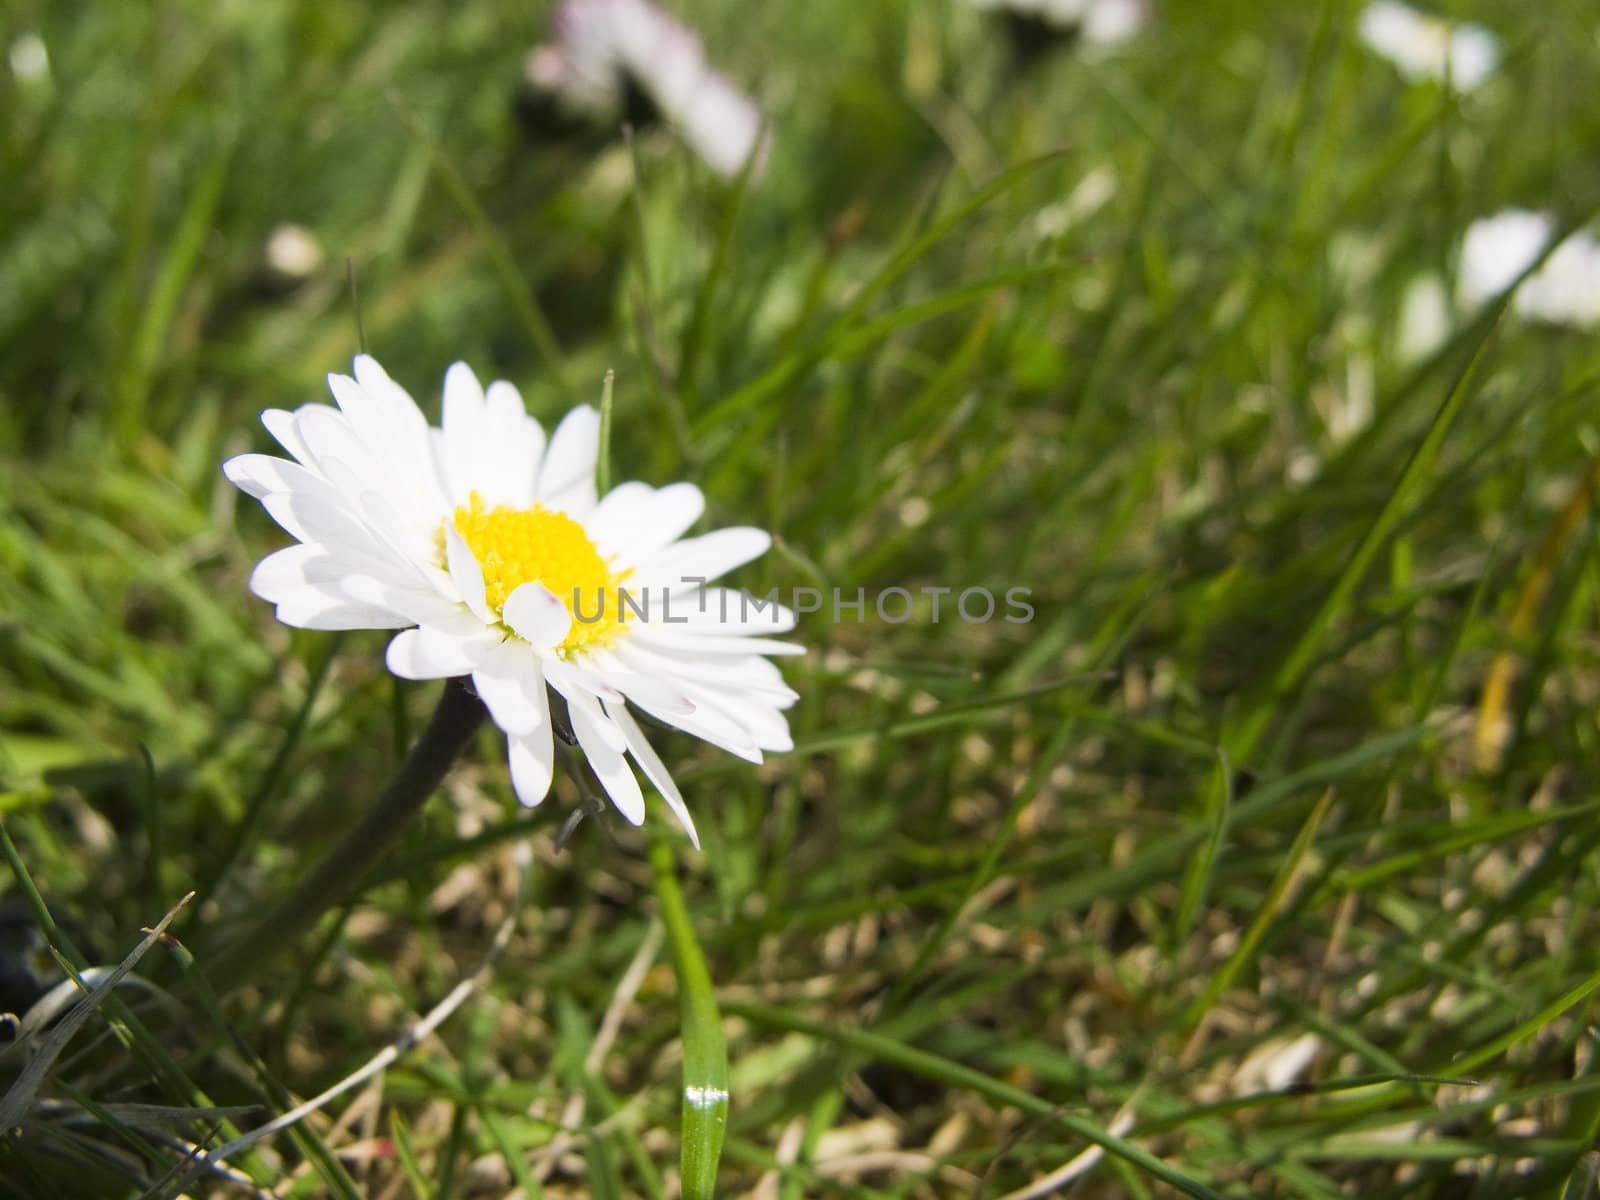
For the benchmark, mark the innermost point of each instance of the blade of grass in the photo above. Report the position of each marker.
(522, 298)
(705, 1054)
(954, 1075)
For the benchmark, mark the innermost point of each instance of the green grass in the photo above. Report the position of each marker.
(1234, 784)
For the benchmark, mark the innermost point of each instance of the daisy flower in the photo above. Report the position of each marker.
(1097, 22)
(484, 543)
(1565, 290)
(615, 60)
(1423, 47)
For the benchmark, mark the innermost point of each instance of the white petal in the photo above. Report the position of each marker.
(463, 427)
(467, 575)
(532, 765)
(285, 571)
(603, 744)
(511, 450)
(765, 724)
(312, 518)
(584, 710)
(713, 726)
(536, 615)
(281, 425)
(403, 425)
(725, 611)
(435, 654)
(566, 480)
(393, 433)
(682, 641)
(511, 684)
(661, 693)
(260, 475)
(312, 563)
(688, 564)
(750, 674)
(655, 771)
(634, 521)
(317, 608)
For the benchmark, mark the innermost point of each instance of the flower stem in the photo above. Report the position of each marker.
(338, 877)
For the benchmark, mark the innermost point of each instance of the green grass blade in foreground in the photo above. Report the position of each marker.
(250, 826)
(406, 1151)
(1288, 871)
(705, 1054)
(953, 1074)
(160, 308)
(603, 463)
(18, 1099)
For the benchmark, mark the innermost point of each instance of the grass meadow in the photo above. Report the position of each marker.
(1261, 862)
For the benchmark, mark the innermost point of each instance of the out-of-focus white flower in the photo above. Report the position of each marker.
(1496, 250)
(1098, 22)
(602, 47)
(1424, 47)
(1425, 318)
(484, 543)
(1565, 290)
(293, 252)
(30, 60)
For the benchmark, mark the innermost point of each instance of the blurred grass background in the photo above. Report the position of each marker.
(1226, 841)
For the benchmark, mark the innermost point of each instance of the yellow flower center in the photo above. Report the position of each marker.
(515, 546)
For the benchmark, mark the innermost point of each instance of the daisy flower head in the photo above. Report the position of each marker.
(1099, 23)
(1424, 47)
(484, 544)
(1565, 290)
(626, 60)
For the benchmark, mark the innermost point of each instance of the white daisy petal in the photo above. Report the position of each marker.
(321, 608)
(532, 759)
(584, 709)
(634, 521)
(659, 692)
(259, 475)
(467, 575)
(570, 679)
(513, 448)
(399, 423)
(536, 615)
(566, 481)
(725, 611)
(686, 565)
(654, 770)
(312, 518)
(710, 725)
(670, 637)
(463, 425)
(287, 570)
(749, 673)
(332, 439)
(435, 654)
(511, 684)
(280, 424)
(603, 744)
(765, 725)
